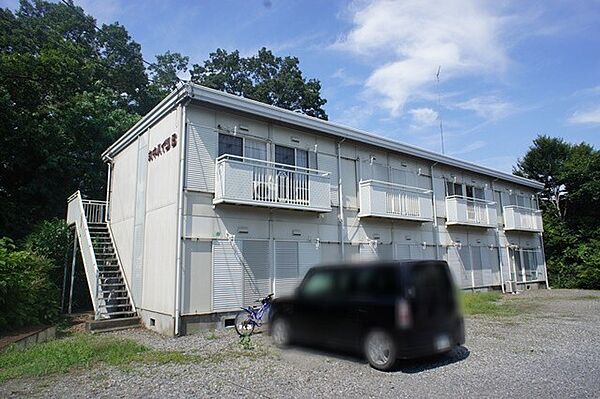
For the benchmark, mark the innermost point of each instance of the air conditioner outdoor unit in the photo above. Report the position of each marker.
(510, 286)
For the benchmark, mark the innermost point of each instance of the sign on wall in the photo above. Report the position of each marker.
(162, 148)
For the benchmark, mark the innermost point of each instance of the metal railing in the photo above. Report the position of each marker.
(522, 218)
(470, 211)
(251, 181)
(95, 211)
(76, 214)
(385, 199)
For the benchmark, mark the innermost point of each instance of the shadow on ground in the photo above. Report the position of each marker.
(410, 366)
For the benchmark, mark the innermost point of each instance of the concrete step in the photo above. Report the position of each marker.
(106, 325)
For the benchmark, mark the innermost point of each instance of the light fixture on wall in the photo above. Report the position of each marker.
(372, 159)
(373, 243)
(317, 243)
(491, 246)
(424, 245)
(316, 148)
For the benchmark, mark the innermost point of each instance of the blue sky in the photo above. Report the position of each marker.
(509, 69)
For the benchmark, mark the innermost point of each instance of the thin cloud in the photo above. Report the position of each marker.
(585, 117)
(474, 146)
(463, 37)
(423, 116)
(490, 108)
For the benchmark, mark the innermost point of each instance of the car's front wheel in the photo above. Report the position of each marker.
(380, 350)
(281, 332)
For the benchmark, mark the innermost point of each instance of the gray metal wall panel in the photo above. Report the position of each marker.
(197, 265)
(136, 283)
(308, 256)
(227, 277)
(201, 154)
(257, 270)
(328, 163)
(287, 272)
(367, 252)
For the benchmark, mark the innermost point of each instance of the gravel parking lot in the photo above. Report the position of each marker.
(551, 349)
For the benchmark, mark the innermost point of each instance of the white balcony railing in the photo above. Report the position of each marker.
(389, 200)
(240, 180)
(523, 219)
(470, 212)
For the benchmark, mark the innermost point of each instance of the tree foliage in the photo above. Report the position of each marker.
(27, 295)
(571, 208)
(263, 77)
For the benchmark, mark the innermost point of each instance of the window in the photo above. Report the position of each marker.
(475, 192)
(321, 283)
(376, 281)
(255, 149)
(454, 188)
(230, 145)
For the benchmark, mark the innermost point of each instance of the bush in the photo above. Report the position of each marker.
(27, 294)
(51, 239)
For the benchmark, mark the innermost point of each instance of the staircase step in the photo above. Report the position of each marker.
(117, 305)
(111, 285)
(96, 326)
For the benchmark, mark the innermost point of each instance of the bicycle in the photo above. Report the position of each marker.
(252, 317)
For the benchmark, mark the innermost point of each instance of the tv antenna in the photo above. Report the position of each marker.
(437, 76)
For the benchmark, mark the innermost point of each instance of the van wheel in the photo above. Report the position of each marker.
(280, 332)
(380, 350)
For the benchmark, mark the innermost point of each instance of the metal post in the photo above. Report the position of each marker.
(73, 272)
(544, 261)
(64, 284)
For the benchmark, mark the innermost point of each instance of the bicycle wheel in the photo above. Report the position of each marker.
(243, 324)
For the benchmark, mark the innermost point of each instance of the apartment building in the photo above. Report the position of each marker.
(215, 201)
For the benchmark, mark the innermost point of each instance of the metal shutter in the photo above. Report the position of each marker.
(367, 252)
(478, 266)
(227, 276)
(328, 163)
(385, 251)
(286, 267)
(308, 256)
(257, 270)
(139, 221)
(201, 154)
(402, 251)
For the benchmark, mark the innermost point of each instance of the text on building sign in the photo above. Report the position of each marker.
(163, 147)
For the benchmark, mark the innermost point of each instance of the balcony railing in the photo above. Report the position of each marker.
(240, 180)
(389, 200)
(470, 212)
(523, 219)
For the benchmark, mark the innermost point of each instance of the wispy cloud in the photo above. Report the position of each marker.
(462, 36)
(587, 116)
(475, 145)
(345, 78)
(490, 108)
(422, 117)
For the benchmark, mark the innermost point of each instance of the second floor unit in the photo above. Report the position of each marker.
(246, 153)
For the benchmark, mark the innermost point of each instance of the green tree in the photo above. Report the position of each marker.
(571, 208)
(263, 77)
(165, 72)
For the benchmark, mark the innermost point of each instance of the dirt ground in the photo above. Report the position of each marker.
(550, 349)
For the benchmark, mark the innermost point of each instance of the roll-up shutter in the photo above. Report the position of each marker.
(227, 276)
(402, 251)
(367, 252)
(287, 271)
(201, 154)
(328, 163)
(257, 276)
(465, 266)
(477, 266)
(139, 220)
(385, 251)
(308, 256)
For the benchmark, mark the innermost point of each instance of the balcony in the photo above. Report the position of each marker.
(246, 181)
(519, 218)
(389, 200)
(470, 212)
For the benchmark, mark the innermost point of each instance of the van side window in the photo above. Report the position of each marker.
(321, 283)
(380, 281)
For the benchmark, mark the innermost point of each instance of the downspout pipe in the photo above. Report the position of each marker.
(178, 262)
(436, 230)
(108, 189)
(341, 197)
(497, 236)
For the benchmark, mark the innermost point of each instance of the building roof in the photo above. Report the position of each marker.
(196, 92)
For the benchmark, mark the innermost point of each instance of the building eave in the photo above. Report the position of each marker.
(230, 101)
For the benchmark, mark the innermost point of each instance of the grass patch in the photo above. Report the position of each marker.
(79, 351)
(486, 303)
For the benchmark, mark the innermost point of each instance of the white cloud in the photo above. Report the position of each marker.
(475, 145)
(589, 116)
(489, 108)
(423, 116)
(412, 38)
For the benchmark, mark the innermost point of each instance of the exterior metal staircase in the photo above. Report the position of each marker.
(107, 284)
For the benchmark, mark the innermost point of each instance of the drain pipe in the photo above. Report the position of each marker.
(435, 227)
(497, 236)
(108, 190)
(341, 196)
(178, 266)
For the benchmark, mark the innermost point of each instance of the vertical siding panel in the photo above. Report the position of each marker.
(139, 220)
(257, 270)
(328, 163)
(227, 276)
(201, 154)
(286, 267)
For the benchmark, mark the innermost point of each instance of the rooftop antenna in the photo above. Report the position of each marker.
(437, 76)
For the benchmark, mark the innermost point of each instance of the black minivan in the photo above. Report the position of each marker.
(385, 310)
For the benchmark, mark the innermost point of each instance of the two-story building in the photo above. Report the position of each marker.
(215, 201)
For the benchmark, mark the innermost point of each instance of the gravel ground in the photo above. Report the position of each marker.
(551, 350)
